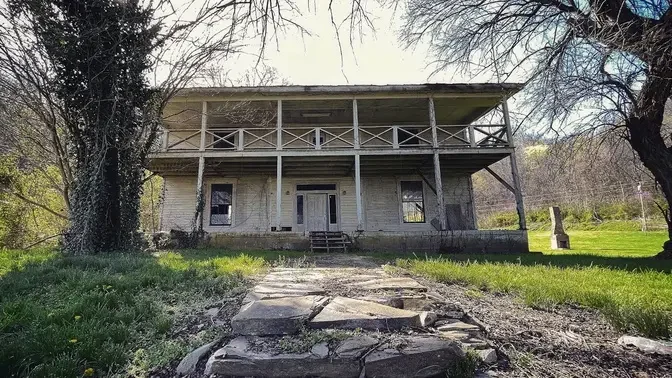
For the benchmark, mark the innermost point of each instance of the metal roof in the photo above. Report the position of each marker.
(507, 89)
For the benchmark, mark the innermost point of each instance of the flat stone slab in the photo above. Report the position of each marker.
(349, 313)
(458, 326)
(242, 358)
(281, 316)
(392, 283)
(288, 289)
(415, 356)
(355, 347)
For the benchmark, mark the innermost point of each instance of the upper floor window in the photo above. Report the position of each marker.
(221, 200)
(412, 202)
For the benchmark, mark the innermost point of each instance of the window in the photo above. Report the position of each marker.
(299, 209)
(412, 202)
(220, 204)
(316, 187)
(332, 209)
(224, 140)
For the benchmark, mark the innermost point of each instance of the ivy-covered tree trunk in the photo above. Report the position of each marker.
(99, 51)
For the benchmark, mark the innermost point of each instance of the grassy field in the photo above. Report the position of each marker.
(121, 315)
(117, 315)
(611, 271)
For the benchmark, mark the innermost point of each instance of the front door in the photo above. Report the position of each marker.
(316, 212)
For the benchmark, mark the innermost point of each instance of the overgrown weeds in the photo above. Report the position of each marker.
(114, 315)
(634, 300)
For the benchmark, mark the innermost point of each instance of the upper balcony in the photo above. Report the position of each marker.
(333, 124)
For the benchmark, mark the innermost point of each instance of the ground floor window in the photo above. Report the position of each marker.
(299, 209)
(221, 196)
(332, 209)
(412, 202)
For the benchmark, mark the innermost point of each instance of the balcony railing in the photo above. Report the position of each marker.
(336, 137)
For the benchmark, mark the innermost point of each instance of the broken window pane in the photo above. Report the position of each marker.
(220, 204)
(412, 202)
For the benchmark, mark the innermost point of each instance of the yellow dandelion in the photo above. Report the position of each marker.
(88, 372)
(77, 317)
(72, 341)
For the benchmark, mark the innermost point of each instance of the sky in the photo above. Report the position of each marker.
(378, 57)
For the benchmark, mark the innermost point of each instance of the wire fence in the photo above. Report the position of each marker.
(621, 201)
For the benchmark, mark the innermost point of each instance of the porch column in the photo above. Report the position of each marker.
(438, 182)
(204, 125)
(279, 127)
(278, 194)
(200, 200)
(358, 194)
(517, 190)
(432, 123)
(355, 124)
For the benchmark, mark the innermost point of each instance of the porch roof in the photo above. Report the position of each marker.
(506, 89)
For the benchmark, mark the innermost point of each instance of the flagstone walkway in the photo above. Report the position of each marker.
(346, 322)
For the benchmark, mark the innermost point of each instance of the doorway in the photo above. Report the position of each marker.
(316, 212)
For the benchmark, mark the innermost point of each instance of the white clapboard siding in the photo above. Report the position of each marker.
(254, 202)
(179, 203)
(382, 202)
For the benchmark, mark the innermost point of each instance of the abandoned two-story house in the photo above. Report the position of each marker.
(385, 167)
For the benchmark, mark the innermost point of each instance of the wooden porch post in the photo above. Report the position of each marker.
(204, 125)
(432, 123)
(439, 191)
(518, 192)
(438, 182)
(358, 194)
(279, 127)
(278, 194)
(200, 199)
(355, 124)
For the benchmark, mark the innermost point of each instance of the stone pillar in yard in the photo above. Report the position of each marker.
(559, 239)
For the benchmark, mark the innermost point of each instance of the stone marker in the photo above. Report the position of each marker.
(282, 316)
(559, 239)
(349, 313)
(393, 283)
(242, 358)
(419, 356)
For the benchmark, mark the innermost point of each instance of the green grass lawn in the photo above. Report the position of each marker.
(120, 315)
(115, 315)
(610, 271)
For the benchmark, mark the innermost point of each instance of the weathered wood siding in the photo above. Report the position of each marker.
(179, 202)
(254, 202)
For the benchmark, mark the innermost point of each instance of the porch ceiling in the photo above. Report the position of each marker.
(323, 166)
(454, 105)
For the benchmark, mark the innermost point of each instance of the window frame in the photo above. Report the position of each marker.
(209, 204)
(401, 201)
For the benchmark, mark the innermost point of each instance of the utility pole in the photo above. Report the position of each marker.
(641, 201)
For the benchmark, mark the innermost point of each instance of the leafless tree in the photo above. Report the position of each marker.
(53, 121)
(591, 67)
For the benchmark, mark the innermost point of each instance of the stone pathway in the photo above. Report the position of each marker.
(345, 322)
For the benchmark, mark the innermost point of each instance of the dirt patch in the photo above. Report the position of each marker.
(563, 342)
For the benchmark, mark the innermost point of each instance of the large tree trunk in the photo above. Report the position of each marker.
(646, 139)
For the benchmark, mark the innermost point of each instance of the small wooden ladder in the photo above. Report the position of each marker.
(328, 241)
